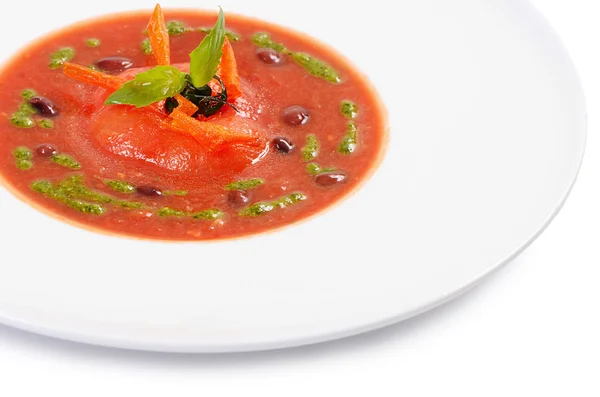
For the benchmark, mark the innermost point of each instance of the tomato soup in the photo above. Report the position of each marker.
(185, 129)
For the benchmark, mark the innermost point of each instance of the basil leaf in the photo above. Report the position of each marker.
(205, 59)
(149, 87)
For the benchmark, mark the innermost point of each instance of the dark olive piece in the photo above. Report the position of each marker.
(149, 191)
(114, 64)
(269, 56)
(44, 106)
(296, 115)
(330, 178)
(170, 105)
(46, 150)
(283, 145)
(239, 198)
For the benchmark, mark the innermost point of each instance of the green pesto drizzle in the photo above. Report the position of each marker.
(65, 161)
(129, 188)
(129, 205)
(61, 56)
(62, 195)
(23, 158)
(349, 109)
(92, 42)
(245, 185)
(313, 168)
(146, 47)
(316, 169)
(26, 107)
(179, 193)
(312, 65)
(46, 123)
(73, 192)
(316, 67)
(28, 93)
(176, 28)
(263, 40)
(167, 212)
(232, 36)
(208, 215)
(311, 150)
(262, 208)
(349, 142)
(74, 187)
(120, 186)
(22, 117)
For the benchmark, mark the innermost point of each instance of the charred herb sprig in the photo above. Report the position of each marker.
(208, 101)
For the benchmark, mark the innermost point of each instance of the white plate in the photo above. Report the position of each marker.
(488, 129)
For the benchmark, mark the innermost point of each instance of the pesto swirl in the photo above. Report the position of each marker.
(312, 65)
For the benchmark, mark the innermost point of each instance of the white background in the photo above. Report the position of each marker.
(531, 330)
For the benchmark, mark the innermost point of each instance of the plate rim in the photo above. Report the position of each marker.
(121, 343)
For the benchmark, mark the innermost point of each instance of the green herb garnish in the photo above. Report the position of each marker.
(120, 186)
(311, 150)
(129, 205)
(176, 28)
(316, 67)
(316, 169)
(47, 189)
(73, 192)
(257, 209)
(46, 123)
(205, 59)
(65, 161)
(28, 93)
(61, 56)
(23, 158)
(26, 108)
(22, 121)
(349, 109)
(179, 193)
(59, 194)
(262, 208)
(74, 187)
(208, 215)
(92, 42)
(313, 168)
(245, 185)
(312, 65)
(169, 212)
(349, 142)
(146, 47)
(263, 40)
(156, 84)
(232, 36)
(164, 82)
(22, 117)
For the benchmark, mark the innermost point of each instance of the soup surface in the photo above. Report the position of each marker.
(301, 129)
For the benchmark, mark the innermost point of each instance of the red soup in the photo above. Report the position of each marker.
(184, 128)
